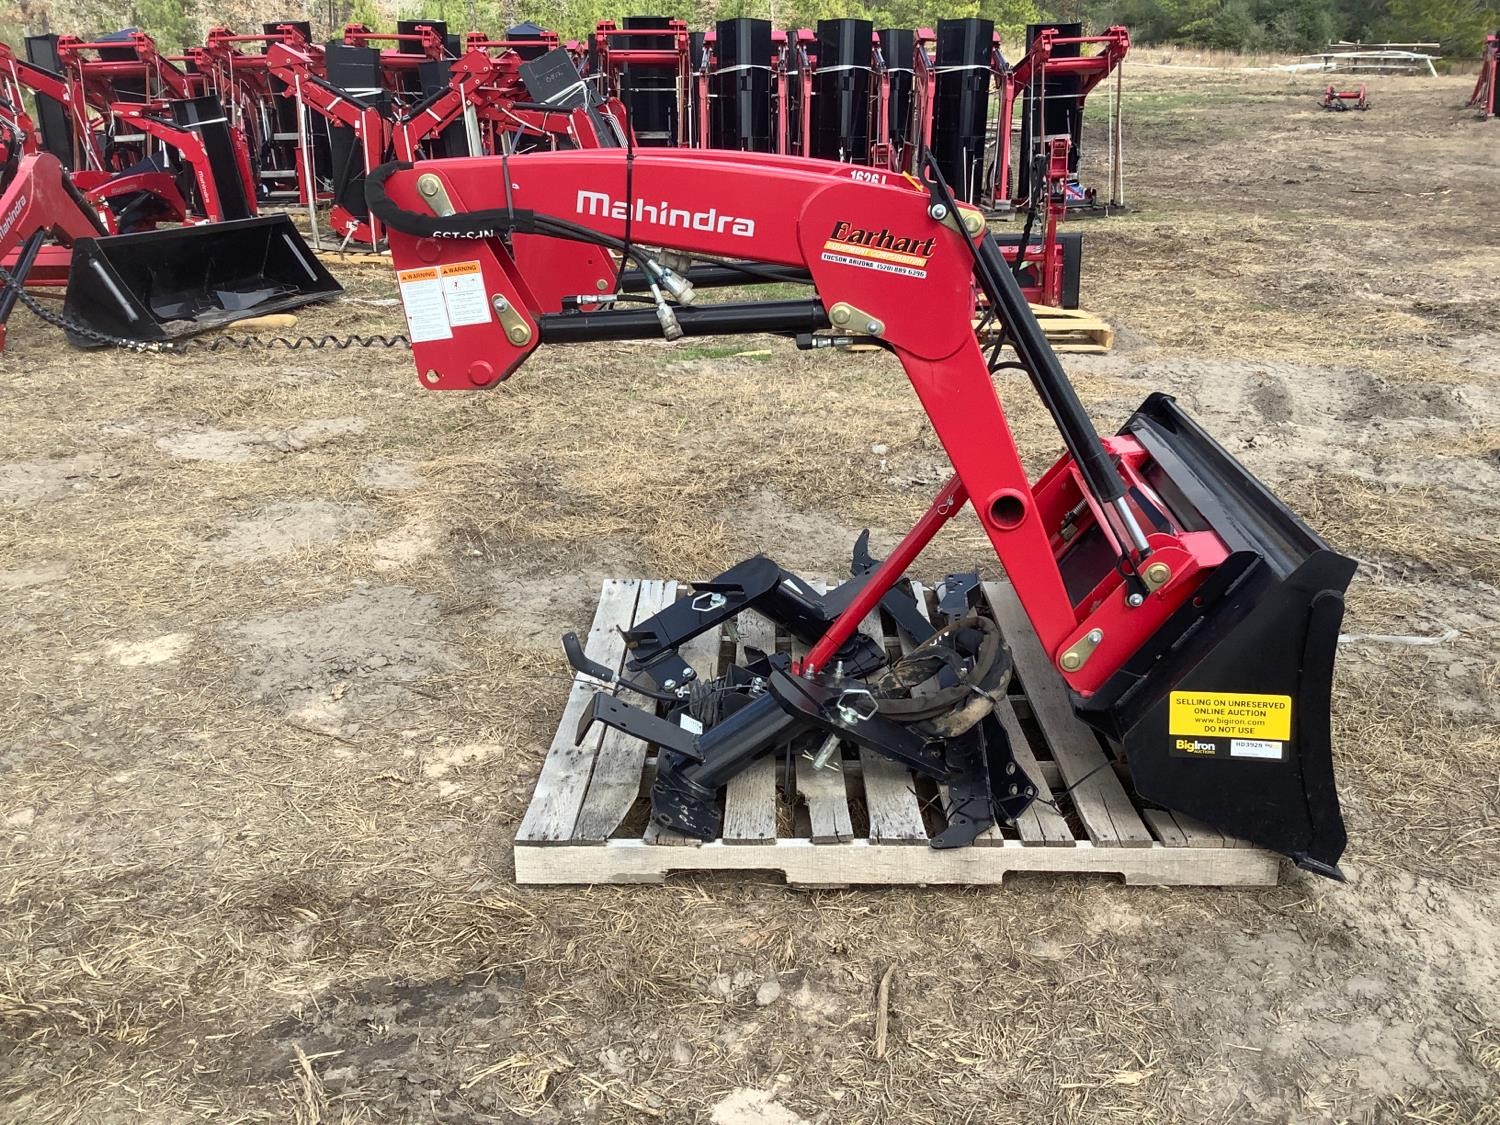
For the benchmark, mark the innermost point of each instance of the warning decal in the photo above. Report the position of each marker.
(422, 299)
(463, 292)
(1211, 724)
(1222, 715)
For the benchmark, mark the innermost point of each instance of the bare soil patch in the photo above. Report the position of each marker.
(281, 634)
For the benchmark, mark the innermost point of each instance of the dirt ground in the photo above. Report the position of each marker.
(280, 631)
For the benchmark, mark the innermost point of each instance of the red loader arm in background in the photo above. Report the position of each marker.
(39, 202)
(299, 68)
(1155, 570)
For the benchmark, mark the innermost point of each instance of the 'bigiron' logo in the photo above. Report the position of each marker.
(1193, 746)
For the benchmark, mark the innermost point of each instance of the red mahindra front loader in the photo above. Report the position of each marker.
(1193, 617)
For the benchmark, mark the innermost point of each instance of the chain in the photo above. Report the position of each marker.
(291, 343)
(215, 343)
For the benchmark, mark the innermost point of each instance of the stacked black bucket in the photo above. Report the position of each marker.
(740, 85)
(898, 48)
(841, 91)
(960, 124)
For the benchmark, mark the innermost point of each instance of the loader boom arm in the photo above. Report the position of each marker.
(882, 266)
(1192, 615)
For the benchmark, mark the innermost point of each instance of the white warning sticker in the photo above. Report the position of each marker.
(1256, 748)
(422, 299)
(463, 292)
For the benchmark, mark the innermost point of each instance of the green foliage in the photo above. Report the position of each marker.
(172, 23)
(1292, 26)
(367, 12)
(1295, 26)
(1459, 25)
(575, 18)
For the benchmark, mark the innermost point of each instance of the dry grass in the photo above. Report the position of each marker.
(261, 871)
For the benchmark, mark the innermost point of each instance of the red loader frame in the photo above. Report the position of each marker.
(1034, 70)
(86, 89)
(1150, 563)
(930, 334)
(613, 51)
(39, 203)
(490, 86)
(1341, 100)
(1486, 95)
(243, 81)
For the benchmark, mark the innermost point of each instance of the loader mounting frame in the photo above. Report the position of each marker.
(1153, 567)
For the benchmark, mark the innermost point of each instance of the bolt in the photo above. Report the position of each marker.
(1071, 662)
(1010, 767)
(1135, 601)
(841, 315)
(500, 303)
(1158, 573)
(669, 684)
(1014, 789)
(427, 185)
(938, 212)
(826, 752)
(519, 334)
(602, 285)
(1095, 636)
(872, 327)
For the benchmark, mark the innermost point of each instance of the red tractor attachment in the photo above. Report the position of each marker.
(1193, 617)
(142, 287)
(1341, 100)
(1486, 95)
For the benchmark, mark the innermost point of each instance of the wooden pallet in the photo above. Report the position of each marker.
(353, 258)
(1073, 331)
(867, 820)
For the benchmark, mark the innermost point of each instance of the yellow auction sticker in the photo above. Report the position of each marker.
(1213, 714)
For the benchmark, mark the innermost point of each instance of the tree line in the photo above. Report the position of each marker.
(1251, 26)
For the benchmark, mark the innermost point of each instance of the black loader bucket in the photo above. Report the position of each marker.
(166, 284)
(1224, 714)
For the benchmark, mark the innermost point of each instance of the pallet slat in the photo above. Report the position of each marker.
(1069, 331)
(890, 792)
(822, 790)
(859, 862)
(565, 771)
(1165, 826)
(827, 802)
(1041, 823)
(616, 781)
(1102, 803)
(750, 796)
